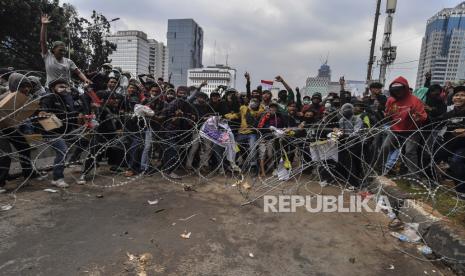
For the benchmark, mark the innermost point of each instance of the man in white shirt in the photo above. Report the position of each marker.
(56, 65)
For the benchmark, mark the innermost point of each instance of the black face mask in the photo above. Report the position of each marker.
(308, 119)
(336, 104)
(396, 92)
(348, 113)
(282, 97)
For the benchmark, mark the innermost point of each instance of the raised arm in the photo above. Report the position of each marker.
(290, 92)
(44, 19)
(298, 99)
(247, 84)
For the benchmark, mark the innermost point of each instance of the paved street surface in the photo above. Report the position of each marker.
(79, 232)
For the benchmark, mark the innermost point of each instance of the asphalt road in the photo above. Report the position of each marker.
(87, 230)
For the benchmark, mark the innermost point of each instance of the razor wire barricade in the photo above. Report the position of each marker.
(149, 143)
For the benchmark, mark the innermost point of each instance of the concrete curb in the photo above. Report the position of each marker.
(446, 240)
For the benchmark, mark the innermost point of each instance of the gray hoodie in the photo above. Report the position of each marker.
(349, 125)
(16, 80)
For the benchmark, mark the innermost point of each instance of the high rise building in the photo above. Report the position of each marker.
(322, 84)
(158, 59)
(132, 52)
(443, 47)
(214, 75)
(185, 46)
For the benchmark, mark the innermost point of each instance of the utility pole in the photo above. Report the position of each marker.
(371, 59)
(388, 52)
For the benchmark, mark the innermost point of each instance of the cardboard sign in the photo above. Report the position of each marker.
(51, 123)
(15, 108)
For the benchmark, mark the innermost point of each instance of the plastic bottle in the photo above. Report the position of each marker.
(425, 250)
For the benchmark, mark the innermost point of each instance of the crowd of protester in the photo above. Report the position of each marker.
(142, 125)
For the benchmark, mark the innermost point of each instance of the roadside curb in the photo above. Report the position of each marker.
(446, 240)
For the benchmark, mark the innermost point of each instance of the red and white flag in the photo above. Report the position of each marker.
(267, 84)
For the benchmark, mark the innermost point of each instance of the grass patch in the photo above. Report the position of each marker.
(442, 199)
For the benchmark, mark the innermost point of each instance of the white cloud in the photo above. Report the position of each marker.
(270, 37)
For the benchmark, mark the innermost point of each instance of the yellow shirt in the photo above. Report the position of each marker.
(245, 128)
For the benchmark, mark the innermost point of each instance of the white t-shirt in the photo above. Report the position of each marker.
(58, 69)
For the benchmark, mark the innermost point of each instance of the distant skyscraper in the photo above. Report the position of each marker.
(214, 75)
(185, 46)
(324, 71)
(323, 84)
(132, 52)
(158, 59)
(443, 47)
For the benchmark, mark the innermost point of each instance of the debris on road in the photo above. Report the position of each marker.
(189, 188)
(50, 190)
(213, 219)
(246, 185)
(6, 207)
(425, 250)
(352, 260)
(409, 234)
(159, 210)
(153, 202)
(188, 218)
(138, 264)
(251, 255)
(186, 235)
(391, 267)
(99, 196)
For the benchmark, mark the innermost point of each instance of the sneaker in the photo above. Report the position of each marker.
(2, 190)
(81, 180)
(39, 176)
(60, 183)
(129, 173)
(235, 168)
(174, 176)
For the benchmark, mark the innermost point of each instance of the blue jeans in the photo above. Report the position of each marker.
(457, 167)
(134, 162)
(392, 159)
(59, 146)
(250, 140)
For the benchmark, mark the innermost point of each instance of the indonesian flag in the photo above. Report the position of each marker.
(266, 84)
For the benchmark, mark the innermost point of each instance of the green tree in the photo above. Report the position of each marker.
(20, 31)
(100, 48)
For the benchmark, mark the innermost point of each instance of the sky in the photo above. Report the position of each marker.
(290, 38)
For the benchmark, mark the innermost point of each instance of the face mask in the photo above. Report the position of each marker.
(336, 104)
(348, 113)
(61, 90)
(396, 91)
(253, 105)
(306, 101)
(282, 97)
(308, 119)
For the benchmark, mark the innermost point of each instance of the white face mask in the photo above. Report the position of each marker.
(61, 90)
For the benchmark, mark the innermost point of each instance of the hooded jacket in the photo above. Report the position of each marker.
(350, 126)
(406, 113)
(16, 80)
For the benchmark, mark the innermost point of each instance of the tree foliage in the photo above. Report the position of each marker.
(20, 34)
